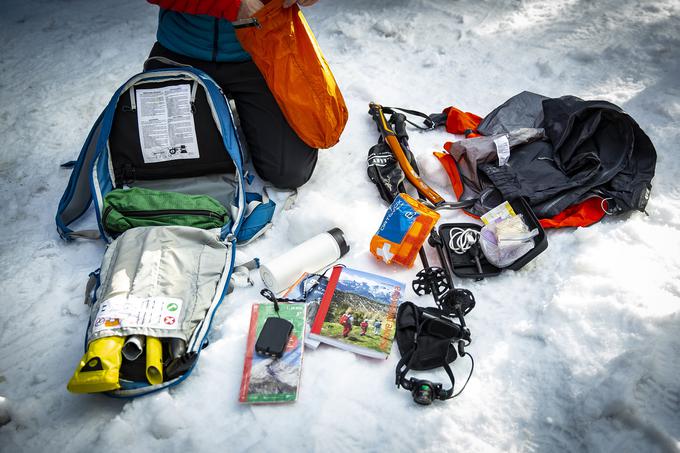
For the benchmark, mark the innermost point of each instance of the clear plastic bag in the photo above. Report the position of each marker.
(506, 241)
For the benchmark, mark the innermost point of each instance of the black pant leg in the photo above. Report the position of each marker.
(278, 154)
(158, 50)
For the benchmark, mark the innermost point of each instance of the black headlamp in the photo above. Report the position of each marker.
(424, 392)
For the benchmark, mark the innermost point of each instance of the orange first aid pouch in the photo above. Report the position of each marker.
(405, 227)
(285, 50)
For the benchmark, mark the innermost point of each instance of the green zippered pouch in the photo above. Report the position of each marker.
(137, 207)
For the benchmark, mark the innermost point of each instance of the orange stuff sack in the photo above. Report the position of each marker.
(285, 50)
(405, 227)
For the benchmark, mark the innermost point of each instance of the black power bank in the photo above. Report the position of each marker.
(273, 337)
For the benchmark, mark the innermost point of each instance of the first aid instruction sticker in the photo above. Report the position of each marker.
(128, 311)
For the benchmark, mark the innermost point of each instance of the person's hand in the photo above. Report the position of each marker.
(248, 8)
(289, 3)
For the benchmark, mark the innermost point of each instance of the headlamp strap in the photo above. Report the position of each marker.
(409, 384)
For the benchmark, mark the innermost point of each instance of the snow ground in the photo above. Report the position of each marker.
(578, 351)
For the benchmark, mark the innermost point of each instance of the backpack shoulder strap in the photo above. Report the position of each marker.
(258, 217)
(78, 194)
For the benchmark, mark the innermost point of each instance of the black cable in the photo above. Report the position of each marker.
(269, 295)
(453, 205)
(472, 368)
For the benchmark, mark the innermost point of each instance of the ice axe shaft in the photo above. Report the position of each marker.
(390, 137)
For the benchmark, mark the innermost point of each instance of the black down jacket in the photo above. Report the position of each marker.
(591, 148)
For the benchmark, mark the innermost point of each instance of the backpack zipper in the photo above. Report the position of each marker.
(160, 212)
(216, 35)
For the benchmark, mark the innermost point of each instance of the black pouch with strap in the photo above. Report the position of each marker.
(427, 339)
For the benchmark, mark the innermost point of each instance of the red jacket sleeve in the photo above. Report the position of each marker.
(223, 9)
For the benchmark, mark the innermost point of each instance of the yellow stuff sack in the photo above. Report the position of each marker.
(99, 369)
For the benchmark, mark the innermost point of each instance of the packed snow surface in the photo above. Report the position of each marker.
(578, 351)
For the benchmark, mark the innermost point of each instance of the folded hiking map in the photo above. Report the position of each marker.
(357, 312)
(266, 379)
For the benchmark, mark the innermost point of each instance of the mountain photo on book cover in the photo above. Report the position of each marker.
(362, 312)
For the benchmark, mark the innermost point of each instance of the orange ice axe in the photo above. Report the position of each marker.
(376, 111)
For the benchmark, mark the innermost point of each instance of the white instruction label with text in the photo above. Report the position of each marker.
(166, 124)
(127, 311)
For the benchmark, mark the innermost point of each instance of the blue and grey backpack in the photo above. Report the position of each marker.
(155, 295)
